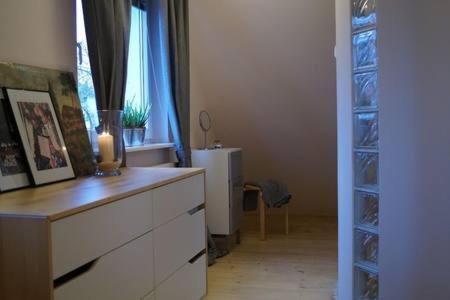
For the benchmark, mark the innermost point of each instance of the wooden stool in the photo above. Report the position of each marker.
(262, 212)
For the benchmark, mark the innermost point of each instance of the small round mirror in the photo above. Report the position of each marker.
(205, 120)
(205, 124)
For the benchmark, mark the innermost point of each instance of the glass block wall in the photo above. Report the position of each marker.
(365, 148)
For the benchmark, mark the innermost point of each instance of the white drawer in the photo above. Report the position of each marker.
(177, 242)
(189, 283)
(83, 237)
(125, 273)
(177, 198)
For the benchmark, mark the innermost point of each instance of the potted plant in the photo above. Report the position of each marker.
(128, 124)
(134, 121)
(140, 117)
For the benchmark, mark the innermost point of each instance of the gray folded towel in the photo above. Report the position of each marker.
(213, 251)
(275, 194)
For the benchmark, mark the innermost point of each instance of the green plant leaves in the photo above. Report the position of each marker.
(135, 117)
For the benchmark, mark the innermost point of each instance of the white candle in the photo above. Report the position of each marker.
(106, 147)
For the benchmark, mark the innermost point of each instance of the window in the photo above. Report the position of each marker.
(137, 93)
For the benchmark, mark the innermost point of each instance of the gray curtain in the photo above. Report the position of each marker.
(168, 27)
(107, 24)
(179, 71)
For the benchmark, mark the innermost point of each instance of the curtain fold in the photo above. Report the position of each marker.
(168, 27)
(179, 66)
(107, 24)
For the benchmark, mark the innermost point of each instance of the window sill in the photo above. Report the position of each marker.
(150, 147)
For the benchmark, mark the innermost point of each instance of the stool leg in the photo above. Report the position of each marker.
(262, 217)
(287, 219)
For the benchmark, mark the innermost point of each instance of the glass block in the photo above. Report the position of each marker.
(366, 130)
(366, 170)
(363, 13)
(366, 285)
(365, 90)
(365, 49)
(366, 247)
(366, 209)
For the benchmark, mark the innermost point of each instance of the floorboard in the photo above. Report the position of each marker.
(300, 266)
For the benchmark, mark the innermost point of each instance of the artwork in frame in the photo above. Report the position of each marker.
(13, 164)
(63, 91)
(41, 135)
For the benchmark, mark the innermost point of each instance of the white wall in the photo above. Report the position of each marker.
(414, 52)
(414, 91)
(345, 148)
(39, 33)
(265, 71)
(198, 103)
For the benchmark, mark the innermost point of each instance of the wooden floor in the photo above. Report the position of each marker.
(302, 265)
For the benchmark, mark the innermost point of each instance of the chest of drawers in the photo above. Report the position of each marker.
(138, 236)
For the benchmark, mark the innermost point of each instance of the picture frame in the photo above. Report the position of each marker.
(62, 87)
(13, 164)
(41, 135)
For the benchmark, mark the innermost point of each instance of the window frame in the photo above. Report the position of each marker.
(157, 131)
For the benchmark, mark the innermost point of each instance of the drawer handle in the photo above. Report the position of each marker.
(74, 274)
(196, 257)
(196, 209)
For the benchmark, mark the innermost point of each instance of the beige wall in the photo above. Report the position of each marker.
(414, 75)
(265, 71)
(39, 33)
(198, 103)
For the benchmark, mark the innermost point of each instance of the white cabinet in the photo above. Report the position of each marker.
(171, 219)
(138, 236)
(224, 188)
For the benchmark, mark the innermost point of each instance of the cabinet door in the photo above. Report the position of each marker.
(236, 203)
(235, 165)
(125, 273)
(173, 200)
(177, 242)
(83, 237)
(236, 187)
(188, 283)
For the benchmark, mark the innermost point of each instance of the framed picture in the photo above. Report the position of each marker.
(41, 136)
(13, 164)
(62, 88)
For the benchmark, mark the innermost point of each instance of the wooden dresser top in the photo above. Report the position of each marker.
(59, 200)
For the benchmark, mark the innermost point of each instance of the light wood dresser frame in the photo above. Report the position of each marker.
(26, 216)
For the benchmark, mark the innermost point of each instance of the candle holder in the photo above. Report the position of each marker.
(107, 144)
